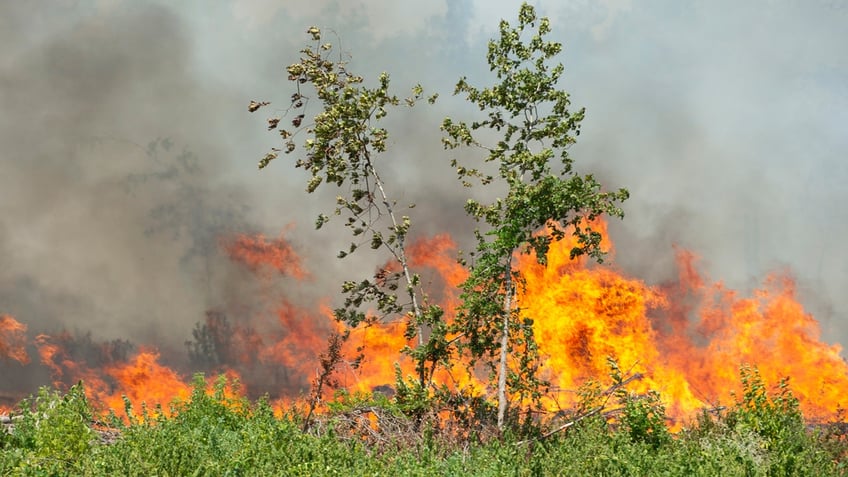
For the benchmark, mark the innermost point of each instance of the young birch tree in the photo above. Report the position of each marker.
(342, 145)
(532, 117)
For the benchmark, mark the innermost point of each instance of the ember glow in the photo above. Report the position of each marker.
(687, 339)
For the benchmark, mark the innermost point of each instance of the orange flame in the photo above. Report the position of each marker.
(142, 380)
(770, 330)
(584, 314)
(438, 253)
(13, 340)
(54, 357)
(258, 253)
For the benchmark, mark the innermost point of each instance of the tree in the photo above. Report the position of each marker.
(531, 116)
(342, 146)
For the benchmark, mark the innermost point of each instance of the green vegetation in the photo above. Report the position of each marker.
(762, 434)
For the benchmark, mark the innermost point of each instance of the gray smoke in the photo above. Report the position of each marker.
(114, 196)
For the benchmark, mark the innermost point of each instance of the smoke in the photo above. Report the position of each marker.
(128, 153)
(722, 119)
(113, 197)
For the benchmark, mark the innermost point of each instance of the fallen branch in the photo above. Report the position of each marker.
(563, 427)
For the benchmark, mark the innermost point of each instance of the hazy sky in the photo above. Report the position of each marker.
(128, 152)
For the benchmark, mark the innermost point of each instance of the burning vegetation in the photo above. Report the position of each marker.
(527, 324)
(687, 340)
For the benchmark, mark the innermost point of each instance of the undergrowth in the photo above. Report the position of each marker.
(612, 432)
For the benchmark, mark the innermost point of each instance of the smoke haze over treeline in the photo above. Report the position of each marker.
(128, 156)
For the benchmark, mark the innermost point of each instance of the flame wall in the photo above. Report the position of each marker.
(688, 338)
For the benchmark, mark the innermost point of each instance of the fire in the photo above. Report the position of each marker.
(438, 253)
(257, 253)
(584, 315)
(770, 330)
(300, 337)
(141, 380)
(687, 339)
(374, 371)
(691, 354)
(13, 340)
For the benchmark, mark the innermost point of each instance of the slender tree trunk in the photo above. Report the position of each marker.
(502, 369)
(400, 254)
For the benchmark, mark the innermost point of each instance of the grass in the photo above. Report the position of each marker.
(215, 434)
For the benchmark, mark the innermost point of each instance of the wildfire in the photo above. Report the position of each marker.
(687, 339)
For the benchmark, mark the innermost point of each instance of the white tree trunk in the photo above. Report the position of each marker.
(502, 368)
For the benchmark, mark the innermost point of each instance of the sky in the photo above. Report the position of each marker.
(129, 155)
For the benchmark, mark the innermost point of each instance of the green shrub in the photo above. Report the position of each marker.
(52, 433)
